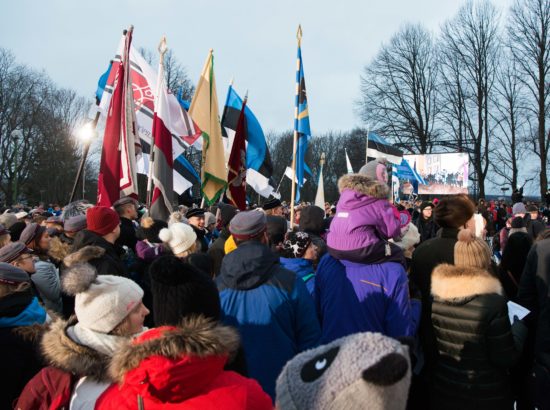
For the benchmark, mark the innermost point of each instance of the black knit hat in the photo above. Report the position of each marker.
(180, 290)
(276, 229)
(312, 219)
(271, 204)
(227, 212)
(426, 204)
(295, 245)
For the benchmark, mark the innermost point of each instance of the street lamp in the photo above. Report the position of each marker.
(16, 135)
(86, 134)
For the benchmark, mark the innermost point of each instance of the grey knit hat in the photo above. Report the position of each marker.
(248, 225)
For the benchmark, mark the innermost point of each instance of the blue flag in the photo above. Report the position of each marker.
(301, 124)
(102, 82)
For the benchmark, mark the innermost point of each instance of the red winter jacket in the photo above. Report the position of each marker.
(49, 389)
(181, 368)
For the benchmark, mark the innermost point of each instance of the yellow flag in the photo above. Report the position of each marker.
(204, 111)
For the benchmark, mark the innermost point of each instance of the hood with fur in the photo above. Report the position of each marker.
(62, 352)
(197, 336)
(363, 185)
(83, 255)
(458, 283)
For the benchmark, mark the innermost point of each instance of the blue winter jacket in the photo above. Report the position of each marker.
(271, 308)
(303, 268)
(352, 297)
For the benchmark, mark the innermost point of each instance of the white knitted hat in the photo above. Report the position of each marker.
(101, 301)
(179, 236)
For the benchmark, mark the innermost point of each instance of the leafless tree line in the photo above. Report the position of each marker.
(481, 86)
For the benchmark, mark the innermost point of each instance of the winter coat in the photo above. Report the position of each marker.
(201, 239)
(21, 326)
(271, 308)
(127, 234)
(216, 251)
(181, 368)
(426, 228)
(46, 281)
(425, 258)
(534, 294)
(352, 298)
(303, 268)
(108, 261)
(475, 343)
(69, 362)
(364, 221)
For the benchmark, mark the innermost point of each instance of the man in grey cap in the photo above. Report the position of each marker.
(127, 209)
(269, 304)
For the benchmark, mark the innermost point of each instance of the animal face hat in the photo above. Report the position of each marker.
(360, 371)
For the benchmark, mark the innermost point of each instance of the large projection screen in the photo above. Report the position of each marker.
(445, 174)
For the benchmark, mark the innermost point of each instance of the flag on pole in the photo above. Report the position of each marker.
(163, 163)
(289, 174)
(258, 160)
(379, 148)
(184, 132)
(236, 177)
(204, 111)
(301, 121)
(320, 196)
(348, 163)
(102, 83)
(117, 172)
(184, 173)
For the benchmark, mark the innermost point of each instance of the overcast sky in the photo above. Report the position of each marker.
(254, 42)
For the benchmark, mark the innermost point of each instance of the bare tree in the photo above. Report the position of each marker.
(399, 94)
(529, 34)
(470, 54)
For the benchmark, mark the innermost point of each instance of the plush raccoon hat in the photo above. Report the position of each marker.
(361, 371)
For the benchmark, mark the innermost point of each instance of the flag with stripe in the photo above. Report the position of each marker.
(379, 148)
(163, 163)
(301, 122)
(236, 177)
(184, 131)
(117, 172)
(259, 169)
(204, 111)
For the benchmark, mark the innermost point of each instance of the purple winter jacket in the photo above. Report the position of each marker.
(364, 221)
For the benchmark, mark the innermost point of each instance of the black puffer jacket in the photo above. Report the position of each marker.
(108, 262)
(476, 344)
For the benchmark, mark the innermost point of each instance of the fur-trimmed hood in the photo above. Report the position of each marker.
(62, 352)
(83, 255)
(457, 283)
(195, 337)
(363, 185)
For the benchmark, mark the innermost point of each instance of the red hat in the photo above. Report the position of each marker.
(101, 220)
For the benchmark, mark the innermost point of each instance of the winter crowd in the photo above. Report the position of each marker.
(362, 305)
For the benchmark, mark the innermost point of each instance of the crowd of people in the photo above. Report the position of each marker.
(362, 304)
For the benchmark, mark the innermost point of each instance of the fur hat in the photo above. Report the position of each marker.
(360, 371)
(180, 290)
(295, 245)
(101, 220)
(312, 219)
(364, 185)
(101, 302)
(179, 237)
(454, 211)
(471, 251)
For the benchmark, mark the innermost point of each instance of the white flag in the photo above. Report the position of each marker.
(320, 196)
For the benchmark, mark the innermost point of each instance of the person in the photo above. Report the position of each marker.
(476, 344)
(193, 355)
(183, 242)
(46, 275)
(547, 198)
(534, 294)
(513, 262)
(312, 221)
(273, 207)
(533, 224)
(425, 222)
(298, 254)
(22, 323)
(108, 310)
(268, 304)
(5, 237)
(210, 221)
(224, 214)
(98, 240)
(127, 210)
(60, 246)
(517, 196)
(195, 217)
(276, 229)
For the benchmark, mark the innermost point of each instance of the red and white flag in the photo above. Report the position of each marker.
(163, 164)
(184, 131)
(121, 143)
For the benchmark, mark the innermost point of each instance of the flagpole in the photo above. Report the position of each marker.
(367, 148)
(162, 50)
(295, 142)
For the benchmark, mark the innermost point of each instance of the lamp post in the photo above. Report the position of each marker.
(16, 135)
(86, 134)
